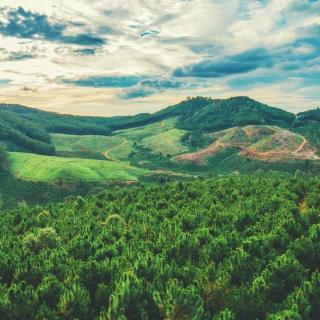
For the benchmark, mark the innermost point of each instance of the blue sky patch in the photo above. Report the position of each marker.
(106, 81)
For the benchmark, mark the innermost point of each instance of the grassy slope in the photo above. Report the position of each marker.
(160, 137)
(50, 169)
(92, 146)
(167, 142)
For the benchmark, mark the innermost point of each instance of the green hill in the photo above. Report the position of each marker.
(206, 114)
(197, 115)
(60, 123)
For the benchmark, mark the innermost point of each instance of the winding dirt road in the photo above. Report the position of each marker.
(106, 154)
(301, 145)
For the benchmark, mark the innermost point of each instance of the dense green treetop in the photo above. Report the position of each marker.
(231, 248)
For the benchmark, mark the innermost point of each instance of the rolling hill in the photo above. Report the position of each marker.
(207, 114)
(198, 136)
(196, 115)
(21, 134)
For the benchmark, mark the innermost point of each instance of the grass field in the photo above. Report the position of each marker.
(161, 137)
(84, 144)
(167, 142)
(51, 169)
(142, 132)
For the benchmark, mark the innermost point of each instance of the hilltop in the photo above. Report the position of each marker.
(216, 114)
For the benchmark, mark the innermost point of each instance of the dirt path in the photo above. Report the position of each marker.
(106, 154)
(198, 157)
(301, 145)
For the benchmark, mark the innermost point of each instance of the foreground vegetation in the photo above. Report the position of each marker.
(231, 248)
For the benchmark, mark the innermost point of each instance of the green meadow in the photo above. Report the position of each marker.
(52, 169)
(77, 145)
(160, 137)
(167, 143)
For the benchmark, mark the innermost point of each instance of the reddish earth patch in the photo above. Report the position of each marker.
(198, 157)
(283, 150)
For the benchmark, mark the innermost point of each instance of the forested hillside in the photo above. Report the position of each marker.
(19, 133)
(69, 124)
(231, 248)
(218, 114)
(24, 128)
(308, 123)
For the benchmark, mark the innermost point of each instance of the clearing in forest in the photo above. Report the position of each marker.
(266, 143)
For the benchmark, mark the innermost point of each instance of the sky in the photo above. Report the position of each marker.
(117, 57)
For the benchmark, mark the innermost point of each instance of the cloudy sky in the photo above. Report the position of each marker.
(115, 57)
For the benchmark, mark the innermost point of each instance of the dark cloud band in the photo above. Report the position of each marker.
(21, 23)
(241, 63)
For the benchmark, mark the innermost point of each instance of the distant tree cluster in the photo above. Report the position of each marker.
(230, 248)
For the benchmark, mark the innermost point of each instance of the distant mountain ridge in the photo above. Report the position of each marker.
(29, 128)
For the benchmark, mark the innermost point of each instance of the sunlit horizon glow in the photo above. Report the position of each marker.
(103, 57)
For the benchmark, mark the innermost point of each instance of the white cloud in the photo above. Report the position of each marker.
(179, 33)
